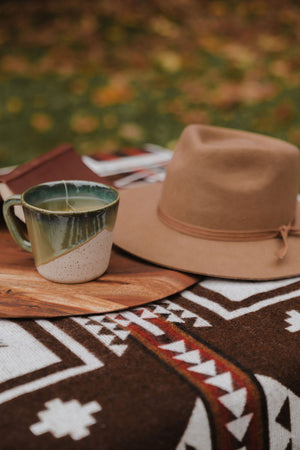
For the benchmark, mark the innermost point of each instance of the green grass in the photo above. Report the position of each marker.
(102, 76)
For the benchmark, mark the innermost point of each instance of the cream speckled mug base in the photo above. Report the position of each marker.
(86, 262)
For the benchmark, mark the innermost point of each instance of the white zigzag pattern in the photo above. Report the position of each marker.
(105, 339)
(235, 400)
(177, 313)
(293, 320)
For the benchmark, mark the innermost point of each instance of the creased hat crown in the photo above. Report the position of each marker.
(231, 180)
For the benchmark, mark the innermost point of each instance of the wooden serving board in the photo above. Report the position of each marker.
(128, 282)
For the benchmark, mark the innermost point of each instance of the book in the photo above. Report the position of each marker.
(61, 163)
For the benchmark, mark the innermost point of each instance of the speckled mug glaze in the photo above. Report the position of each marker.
(68, 246)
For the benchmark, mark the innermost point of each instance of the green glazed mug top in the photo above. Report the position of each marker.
(37, 195)
(70, 227)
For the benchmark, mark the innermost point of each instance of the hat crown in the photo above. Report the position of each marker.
(231, 180)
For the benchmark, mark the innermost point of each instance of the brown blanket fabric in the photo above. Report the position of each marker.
(215, 367)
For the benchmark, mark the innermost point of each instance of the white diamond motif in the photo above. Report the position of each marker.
(63, 419)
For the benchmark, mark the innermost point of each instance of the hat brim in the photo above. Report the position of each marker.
(139, 231)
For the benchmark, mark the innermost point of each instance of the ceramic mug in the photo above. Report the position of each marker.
(70, 228)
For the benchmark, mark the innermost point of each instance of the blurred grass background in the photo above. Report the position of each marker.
(108, 74)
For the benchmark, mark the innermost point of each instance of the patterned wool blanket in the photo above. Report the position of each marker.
(214, 367)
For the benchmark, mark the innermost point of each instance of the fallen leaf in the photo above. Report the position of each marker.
(84, 123)
(131, 131)
(111, 95)
(169, 61)
(41, 122)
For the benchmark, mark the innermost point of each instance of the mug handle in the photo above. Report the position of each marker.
(13, 226)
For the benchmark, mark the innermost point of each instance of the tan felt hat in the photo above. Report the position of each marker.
(227, 208)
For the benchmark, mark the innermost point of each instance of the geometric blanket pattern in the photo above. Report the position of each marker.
(214, 367)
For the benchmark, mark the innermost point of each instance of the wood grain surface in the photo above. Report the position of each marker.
(128, 282)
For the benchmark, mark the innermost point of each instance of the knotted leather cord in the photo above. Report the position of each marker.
(231, 235)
